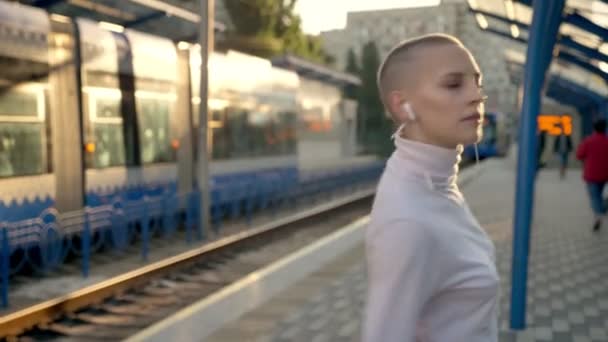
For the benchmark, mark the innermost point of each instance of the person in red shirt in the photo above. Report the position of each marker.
(593, 151)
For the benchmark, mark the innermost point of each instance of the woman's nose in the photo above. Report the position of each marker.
(476, 94)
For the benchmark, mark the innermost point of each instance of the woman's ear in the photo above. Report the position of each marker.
(396, 102)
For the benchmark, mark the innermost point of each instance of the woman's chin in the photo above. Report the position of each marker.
(472, 138)
(471, 134)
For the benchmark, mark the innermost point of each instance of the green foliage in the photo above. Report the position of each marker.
(352, 67)
(255, 18)
(374, 128)
(275, 27)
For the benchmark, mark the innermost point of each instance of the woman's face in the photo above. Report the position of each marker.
(447, 98)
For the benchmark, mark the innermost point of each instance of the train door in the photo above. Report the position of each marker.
(107, 112)
(160, 124)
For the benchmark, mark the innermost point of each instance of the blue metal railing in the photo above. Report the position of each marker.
(43, 243)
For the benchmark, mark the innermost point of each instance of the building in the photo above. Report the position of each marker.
(388, 27)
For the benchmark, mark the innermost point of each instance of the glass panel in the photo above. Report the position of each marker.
(105, 131)
(313, 124)
(155, 130)
(237, 132)
(18, 103)
(108, 108)
(261, 135)
(287, 132)
(242, 133)
(22, 149)
(109, 145)
(220, 144)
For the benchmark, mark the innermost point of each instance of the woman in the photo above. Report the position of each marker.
(431, 268)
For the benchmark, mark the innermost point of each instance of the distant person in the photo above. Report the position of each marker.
(562, 147)
(542, 137)
(431, 267)
(593, 151)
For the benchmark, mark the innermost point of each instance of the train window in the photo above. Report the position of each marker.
(287, 132)
(261, 132)
(155, 127)
(257, 132)
(109, 145)
(237, 133)
(220, 144)
(314, 125)
(22, 149)
(19, 103)
(108, 109)
(105, 128)
(23, 134)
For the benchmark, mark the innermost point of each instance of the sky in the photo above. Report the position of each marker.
(323, 15)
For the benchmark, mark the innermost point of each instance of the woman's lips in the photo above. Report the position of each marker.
(473, 117)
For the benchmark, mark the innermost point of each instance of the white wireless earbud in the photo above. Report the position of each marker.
(410, 112)
(410, 115)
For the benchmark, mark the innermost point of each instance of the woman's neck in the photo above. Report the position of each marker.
(436, 161)
(416, 135)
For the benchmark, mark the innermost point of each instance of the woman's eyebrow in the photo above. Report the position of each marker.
(455, 74)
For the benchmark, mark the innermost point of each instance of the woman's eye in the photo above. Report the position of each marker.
(453, 85)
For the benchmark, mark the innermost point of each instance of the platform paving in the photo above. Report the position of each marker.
(568, 275)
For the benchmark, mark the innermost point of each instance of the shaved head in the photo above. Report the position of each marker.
(398, 69)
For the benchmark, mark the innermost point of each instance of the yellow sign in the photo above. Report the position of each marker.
(555, 124)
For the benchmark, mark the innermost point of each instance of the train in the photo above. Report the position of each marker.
(89, 112)
(496, 138)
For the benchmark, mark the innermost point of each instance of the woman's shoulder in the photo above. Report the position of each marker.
(406, 200)
(392, 187)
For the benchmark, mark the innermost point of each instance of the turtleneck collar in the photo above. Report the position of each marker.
(435, 165)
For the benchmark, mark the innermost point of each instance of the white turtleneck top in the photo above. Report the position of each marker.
(431, 268)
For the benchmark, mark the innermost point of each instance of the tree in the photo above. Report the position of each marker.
(375, 129)
(287, 19)
(254, 18)
(352, 67)
(270, 27)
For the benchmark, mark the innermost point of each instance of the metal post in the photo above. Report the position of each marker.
(145, 232)
(587, 122)
(545, 24)
(85, 240)
(206, 43)
(5, 271)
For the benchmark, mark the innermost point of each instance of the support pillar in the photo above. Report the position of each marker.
(545, 25)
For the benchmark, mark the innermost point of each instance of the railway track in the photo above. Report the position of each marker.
(121, 306)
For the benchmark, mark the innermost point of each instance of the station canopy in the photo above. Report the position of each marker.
(578, 75)
(316, 71)
(152, 16)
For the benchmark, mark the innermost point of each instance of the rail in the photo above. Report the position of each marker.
(17, 323)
